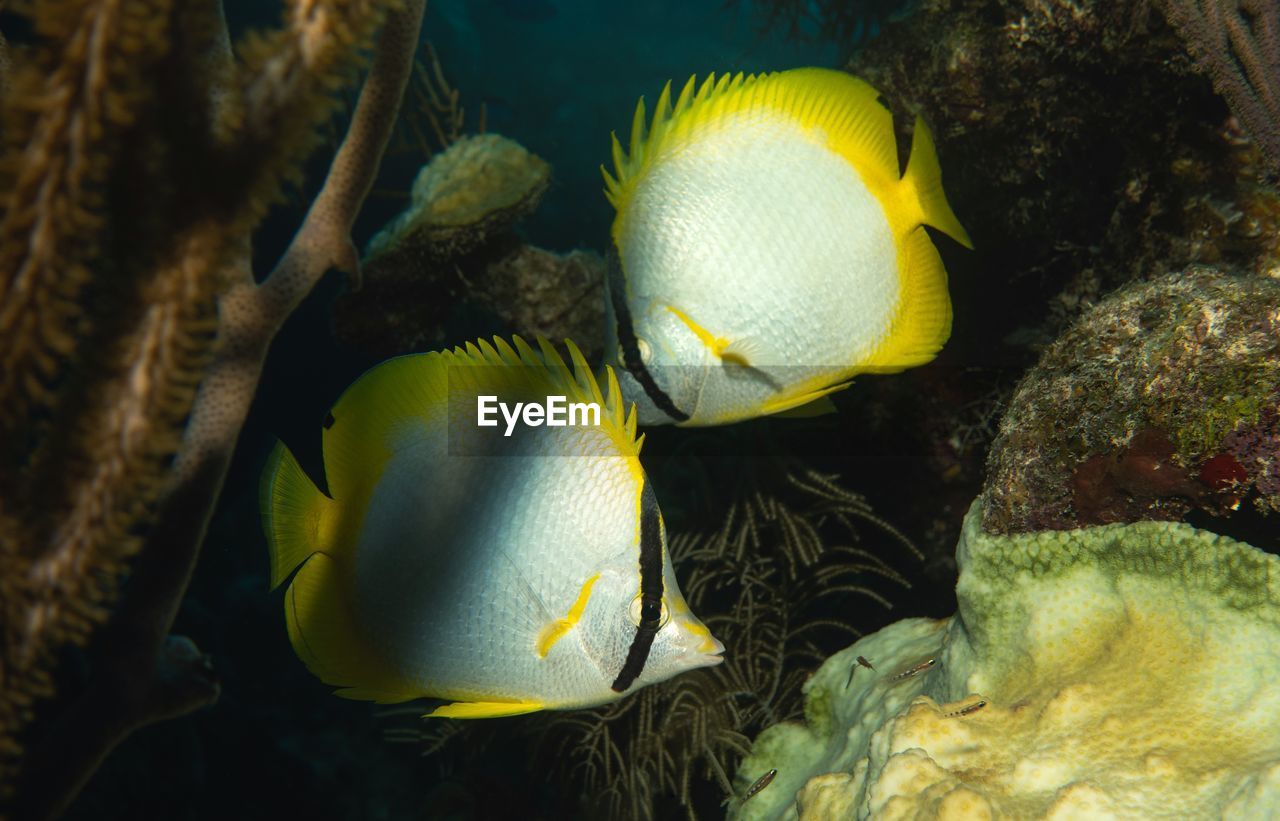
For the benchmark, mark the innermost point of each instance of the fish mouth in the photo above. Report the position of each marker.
(712, 656)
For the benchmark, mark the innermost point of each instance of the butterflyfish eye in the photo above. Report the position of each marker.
(649, 611)
(646, 352)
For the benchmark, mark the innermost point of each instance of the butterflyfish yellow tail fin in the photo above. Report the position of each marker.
(923, 178)
(294, 513)
(301, 524)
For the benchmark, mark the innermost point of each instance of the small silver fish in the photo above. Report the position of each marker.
(910, 672)
(759, 784)
(964, 711)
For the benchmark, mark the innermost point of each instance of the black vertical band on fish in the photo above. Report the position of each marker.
(631, 345)
(650, 591)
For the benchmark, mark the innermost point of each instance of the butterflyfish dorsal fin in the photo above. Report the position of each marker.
(518, 366)
(832, 106)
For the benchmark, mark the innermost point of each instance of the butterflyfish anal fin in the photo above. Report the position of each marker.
(822, 406)
(924, 323)
(923, 181)
(325, 634)
(780, 404)
(485, 709)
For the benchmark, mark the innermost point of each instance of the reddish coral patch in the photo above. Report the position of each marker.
(1222, 472)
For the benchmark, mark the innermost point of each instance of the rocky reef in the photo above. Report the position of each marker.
(1080, 145)
(1161, 399)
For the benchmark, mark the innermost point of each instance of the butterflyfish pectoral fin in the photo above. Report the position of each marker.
(555, 630)
(743, 351)
(485, 709)
(785, 403)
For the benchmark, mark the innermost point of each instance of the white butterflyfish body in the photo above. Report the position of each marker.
(766, 248)
(501, 574)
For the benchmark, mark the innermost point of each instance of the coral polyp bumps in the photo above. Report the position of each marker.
(1106, 672)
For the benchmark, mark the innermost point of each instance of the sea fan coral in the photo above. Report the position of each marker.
(132, 330)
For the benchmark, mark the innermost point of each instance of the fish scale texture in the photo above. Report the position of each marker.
(787, 223)
(1128, 672)
(463, 559)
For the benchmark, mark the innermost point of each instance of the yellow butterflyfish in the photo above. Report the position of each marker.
(504, 569)
(766, 248)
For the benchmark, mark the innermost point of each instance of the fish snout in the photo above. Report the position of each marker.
(701, 649)
(714, 656)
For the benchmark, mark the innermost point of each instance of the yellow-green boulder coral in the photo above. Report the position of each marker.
(1120, 671)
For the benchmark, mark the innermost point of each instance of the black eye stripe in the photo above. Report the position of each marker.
(631, 345)
(651, 590)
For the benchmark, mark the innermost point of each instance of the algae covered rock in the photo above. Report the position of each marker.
(1123, 671)
(1081, 147)
(455, 249)
(477, 187)
(1164, 397)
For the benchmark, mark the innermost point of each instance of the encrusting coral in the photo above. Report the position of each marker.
(1163, 398)
(139, 155)
(479, 186)
(1114, 671)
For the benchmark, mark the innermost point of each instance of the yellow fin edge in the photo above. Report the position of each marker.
(780, 404)
(518, 366)
(485, 709)
(922, 182)
(924, 323)
(324, 634)
(843, 107)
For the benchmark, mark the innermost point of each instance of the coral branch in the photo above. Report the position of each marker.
(156, 352)
(1237, 42)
